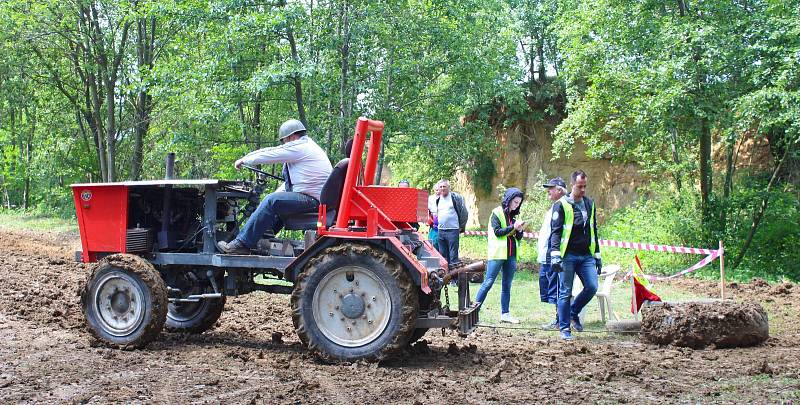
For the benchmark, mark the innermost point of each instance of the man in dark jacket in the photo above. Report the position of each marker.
(452, 215)
(574, 250)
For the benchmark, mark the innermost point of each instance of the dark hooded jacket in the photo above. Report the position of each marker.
(509, 195)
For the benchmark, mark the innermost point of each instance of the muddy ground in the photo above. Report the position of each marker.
(47, 356)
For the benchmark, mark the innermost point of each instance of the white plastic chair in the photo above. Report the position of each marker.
(603, 294)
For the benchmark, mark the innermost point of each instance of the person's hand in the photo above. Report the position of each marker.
(238, 164)
(518, 225)
(555, 263)
(599, 265)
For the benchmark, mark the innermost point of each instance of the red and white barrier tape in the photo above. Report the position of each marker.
(656, 248)
(702, 263)
(712, 254)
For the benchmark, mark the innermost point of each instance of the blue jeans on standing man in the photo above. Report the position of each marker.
(509, 267)
(548, 284)
(267, 217)
(584, 267)
(448, 244)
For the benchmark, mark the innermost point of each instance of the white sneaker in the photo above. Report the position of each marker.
(507, 318)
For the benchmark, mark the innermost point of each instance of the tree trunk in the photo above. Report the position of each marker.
(676, 158)
(344, 54)
(540, 56)
(531, 68)
(108, 71)
(141, 126)
(298, 84)
(705, 169)
(387, 106)
(727, 187)
(243, 122)
(93, 95)
(682, 7)
(256, 124)
(145, 52)
(13, 141)
(329, 131)
(759, 215)
(380, 162)
(26, 191)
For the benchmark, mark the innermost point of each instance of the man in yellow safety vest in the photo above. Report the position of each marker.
(574, 250)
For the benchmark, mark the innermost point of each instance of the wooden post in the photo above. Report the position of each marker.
(721, 271)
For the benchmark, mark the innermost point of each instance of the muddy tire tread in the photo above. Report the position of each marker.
(158, 292)
(404, 282)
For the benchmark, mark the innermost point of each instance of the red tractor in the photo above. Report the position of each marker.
(362, 283)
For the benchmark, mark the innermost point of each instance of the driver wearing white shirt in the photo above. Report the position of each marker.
(306, 168)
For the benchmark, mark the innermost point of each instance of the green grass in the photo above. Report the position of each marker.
(527, 307)
(525, 302)
(13, 219)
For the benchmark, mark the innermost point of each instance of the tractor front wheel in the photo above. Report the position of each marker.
(354, 301)
(125, 301)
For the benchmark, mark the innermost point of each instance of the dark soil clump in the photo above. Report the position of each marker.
(721, 324)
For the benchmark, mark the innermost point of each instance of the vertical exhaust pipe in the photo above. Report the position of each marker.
(169, 174)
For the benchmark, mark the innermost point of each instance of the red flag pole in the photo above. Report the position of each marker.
(721, 271)
(633, 295)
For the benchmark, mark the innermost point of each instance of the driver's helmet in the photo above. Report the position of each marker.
(290, 127)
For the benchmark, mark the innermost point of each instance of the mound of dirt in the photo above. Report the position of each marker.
(720, 324)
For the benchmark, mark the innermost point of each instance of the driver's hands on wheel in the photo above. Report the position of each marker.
(238, 164)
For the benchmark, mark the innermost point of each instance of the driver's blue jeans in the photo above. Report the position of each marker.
(267, 217)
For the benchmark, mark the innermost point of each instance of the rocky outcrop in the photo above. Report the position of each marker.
(526, 150)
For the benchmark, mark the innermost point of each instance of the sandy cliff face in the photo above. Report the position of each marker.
(525, 150)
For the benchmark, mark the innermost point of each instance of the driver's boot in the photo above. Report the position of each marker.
(234, 247)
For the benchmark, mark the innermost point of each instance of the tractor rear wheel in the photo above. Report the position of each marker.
(193, 317)
(125, 301)
(354, 301)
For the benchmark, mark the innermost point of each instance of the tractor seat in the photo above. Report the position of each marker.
(330, 195)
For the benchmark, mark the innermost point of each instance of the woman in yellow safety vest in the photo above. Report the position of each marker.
(504, 232)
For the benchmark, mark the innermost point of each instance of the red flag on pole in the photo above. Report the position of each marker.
(641, 287)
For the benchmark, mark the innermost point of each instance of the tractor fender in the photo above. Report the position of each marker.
(394, 247)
